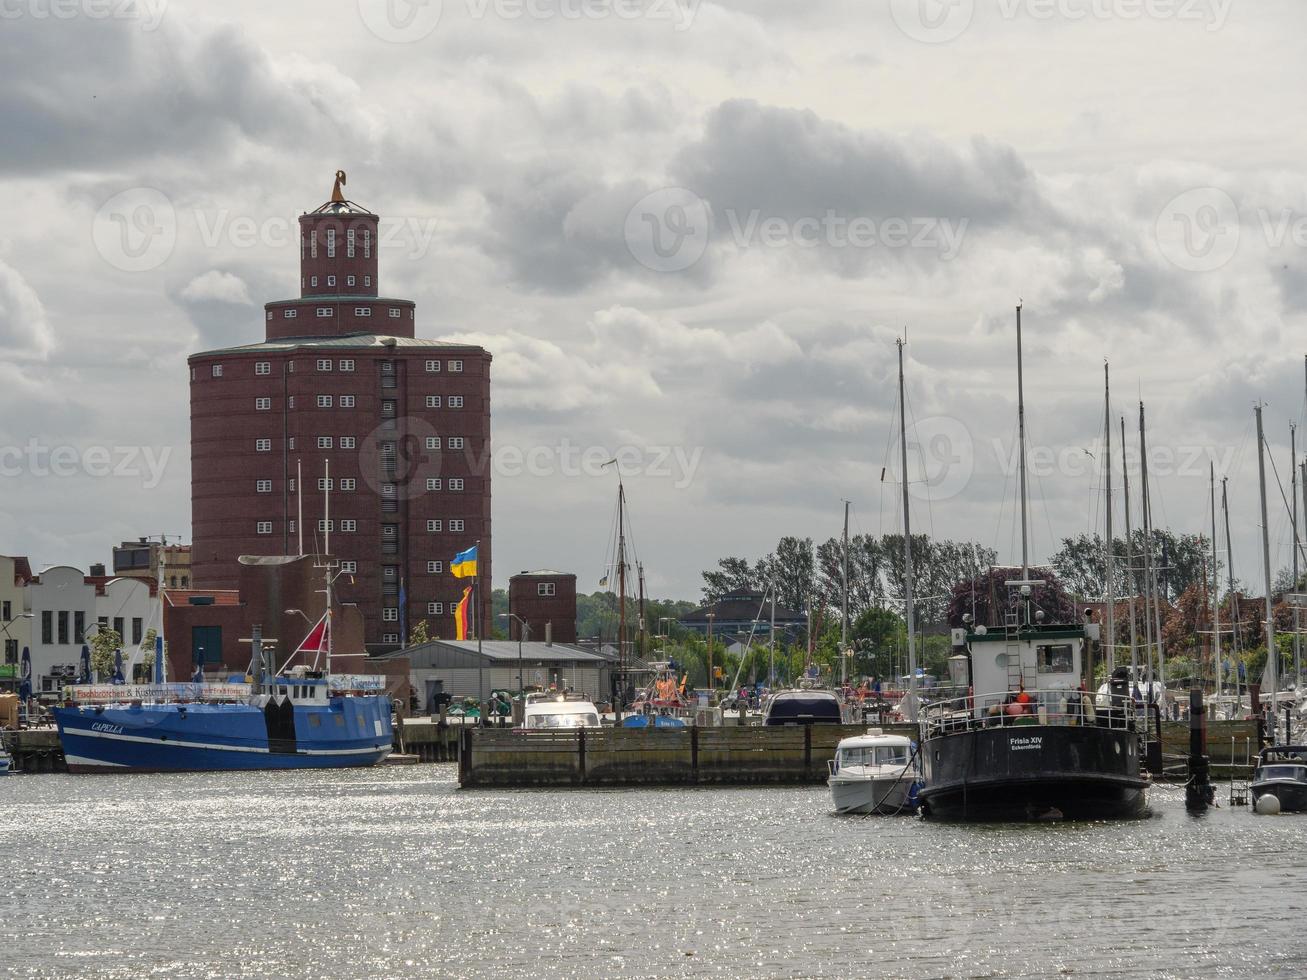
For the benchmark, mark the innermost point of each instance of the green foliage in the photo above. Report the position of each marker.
(418, 633)
(103, 642)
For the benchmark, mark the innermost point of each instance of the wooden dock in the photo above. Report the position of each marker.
(729, 755)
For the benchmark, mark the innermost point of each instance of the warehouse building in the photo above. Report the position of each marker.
(456, 668)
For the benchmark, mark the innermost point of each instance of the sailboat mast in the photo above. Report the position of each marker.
(907, 547)
(1235, 615)
(1150, 568)
(1110, 585)
(621, 582)
(843, 608)
(1129, 563)
(640, 641)
(1293, 470)
(771, 657)
(1021, 438)
(1216, 596)
(1272, 653)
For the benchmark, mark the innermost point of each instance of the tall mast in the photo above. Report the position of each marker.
(1021, 438)
(639, 645)
(771, 661)
(1110, 588)
(1235, 615)
(1150, 568)
(1129, 563)
(1293, 470)
(1272, 657)
(621, 581)
(843, 609)
(907, 545)
(1216, 596)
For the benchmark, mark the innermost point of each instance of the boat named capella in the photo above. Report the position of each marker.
(297, 718)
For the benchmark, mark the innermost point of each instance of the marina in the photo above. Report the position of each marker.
(398, 872)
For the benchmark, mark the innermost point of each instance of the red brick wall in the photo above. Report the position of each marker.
(524, 600)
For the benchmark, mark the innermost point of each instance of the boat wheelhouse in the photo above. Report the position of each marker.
(555, 711)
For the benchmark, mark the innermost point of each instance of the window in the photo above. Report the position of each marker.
(217, 370)
(290, 401)
(324, 311)
(433, 366)
(389, 615)
(349, 280)
(302, 246)
(63, 628)
(362, 311)
(263, 486)
(455, 484)
(367, 280)
(349, 244)
(433, 526)
(290, 485)
(6, 611)
(263, 367)
(192, 374)
(385, 638)
(433, 483)
(79, 627)
(436, 608)
(349, 566)
(455, 401)
(331, 280)
(262, 404)
(47, 627)
(313, 245)
(394, 313)
(291, 314)
(347, 483)
(457, 442)
(324, 483)
(290, 526)
(315, 281)
(326, 525)
(367, 244)
(324, 442)
(263, 445)
(348, 442)
(346, 401)
(456, 525)
(456, 367)
(324, 401)
(263, 527)
(324, 364)
(349, 525)
(270, 315)
(433, 401)
(546, 588)
(118, 626)
(390, 571)
(1054, 659)
(387, 367)
(290, 443)
(331, 243)
(347, 365)
(435, 567)
(433, 442)
(390, 530)
(138, 633)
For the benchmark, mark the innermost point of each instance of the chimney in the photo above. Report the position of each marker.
(549, 634)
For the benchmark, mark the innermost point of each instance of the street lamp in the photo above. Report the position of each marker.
(522, 627)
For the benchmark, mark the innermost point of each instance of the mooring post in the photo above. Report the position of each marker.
(694, 752)
(580, 752)
(807, 751)
(1155, 762)
(1199, 793)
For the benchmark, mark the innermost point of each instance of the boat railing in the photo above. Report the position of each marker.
(1023, 708)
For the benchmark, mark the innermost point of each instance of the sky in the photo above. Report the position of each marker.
(690, 234)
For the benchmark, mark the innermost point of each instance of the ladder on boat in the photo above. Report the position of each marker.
(1012, 651)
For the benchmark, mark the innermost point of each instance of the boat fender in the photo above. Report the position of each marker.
(1268, 805)
(1043, 715)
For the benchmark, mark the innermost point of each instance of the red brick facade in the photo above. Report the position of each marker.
(403, 425)
(540, 599)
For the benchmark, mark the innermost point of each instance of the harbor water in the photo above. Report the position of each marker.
(394, 872)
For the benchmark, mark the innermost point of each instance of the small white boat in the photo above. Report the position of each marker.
(874, 773)
(556, 711)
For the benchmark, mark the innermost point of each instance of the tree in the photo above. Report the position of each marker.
(104, 642)
(791, 569)
(418, 633)
(732, 575)
(989, 595)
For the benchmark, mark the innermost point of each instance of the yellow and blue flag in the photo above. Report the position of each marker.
(464, 564)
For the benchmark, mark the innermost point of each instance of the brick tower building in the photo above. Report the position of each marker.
(379, 439)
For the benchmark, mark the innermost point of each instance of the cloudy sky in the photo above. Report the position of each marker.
(687, 230)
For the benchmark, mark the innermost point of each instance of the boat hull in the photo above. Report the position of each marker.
(885, 795)
(1291, 794)
(350, 732)
(1032, 772)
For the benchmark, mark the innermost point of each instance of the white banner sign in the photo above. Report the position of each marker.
(157, 692)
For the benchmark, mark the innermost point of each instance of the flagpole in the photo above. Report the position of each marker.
(476, 605)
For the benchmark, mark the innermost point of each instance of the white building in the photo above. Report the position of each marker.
(15, 627)
(67, 606)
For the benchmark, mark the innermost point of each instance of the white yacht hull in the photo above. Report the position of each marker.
(872, 794)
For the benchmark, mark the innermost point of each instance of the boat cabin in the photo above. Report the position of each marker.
(558, 712)
(872, 750)
(1045, 662)
(803, 708)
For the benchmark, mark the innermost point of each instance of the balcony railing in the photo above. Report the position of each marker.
(1018, 708)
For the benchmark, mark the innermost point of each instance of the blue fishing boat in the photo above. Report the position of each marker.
(296, 718)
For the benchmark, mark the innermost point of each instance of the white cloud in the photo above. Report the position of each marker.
(215, 286)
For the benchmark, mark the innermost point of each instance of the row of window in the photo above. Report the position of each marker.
(49, 619)
(345, 364)
(331, 281)
(312, 244)
(348, 484)
(351, 442)
(387, 530)
(264, 403)
(291, 313)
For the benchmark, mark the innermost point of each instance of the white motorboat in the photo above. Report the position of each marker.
(557, 711)
(874, 773)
